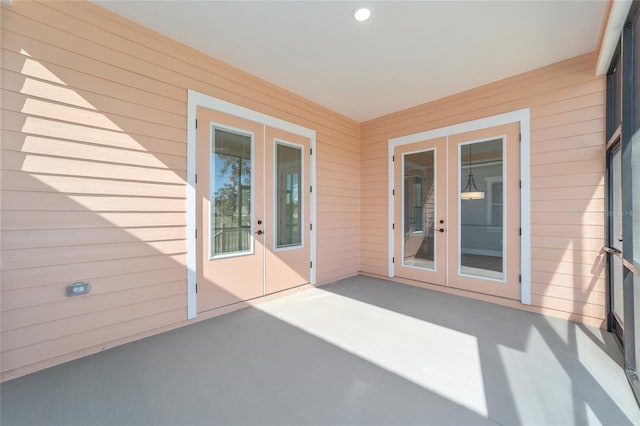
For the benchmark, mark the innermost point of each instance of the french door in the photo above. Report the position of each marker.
(252, 211)
(457, 211)
(420, 211)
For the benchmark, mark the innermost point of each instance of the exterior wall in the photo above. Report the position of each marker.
(94, 178)
(567, 179)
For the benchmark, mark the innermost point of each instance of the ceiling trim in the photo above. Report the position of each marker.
(615, 22)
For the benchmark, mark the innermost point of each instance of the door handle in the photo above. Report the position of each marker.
(611, 250)
(259, 232)
(439, 229)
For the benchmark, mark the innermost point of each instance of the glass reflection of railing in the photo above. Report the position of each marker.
(231, 239)
(290, 235)
(477, 236)
(480, 226)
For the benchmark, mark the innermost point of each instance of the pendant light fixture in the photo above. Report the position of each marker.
(471, 191)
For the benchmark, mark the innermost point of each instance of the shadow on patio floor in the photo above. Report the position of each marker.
(360, 351)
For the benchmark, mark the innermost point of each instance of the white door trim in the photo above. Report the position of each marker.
(195, 100)
(521, 116)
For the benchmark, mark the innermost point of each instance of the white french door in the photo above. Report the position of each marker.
(457, 211)
(252, 210)
(420, 211)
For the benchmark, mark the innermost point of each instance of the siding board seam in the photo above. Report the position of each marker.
(96, 328)
(100, 111)
(248, 100)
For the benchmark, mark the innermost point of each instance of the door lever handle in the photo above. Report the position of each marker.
(611, 250)
(439, 229)
(259, 232)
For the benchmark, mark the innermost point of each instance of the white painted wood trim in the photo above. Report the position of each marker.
(264, 209)
(312, 218)
(617, 17)
(391, 212)
(191, 205)
(521, 116)
(525, 207)
(446, 210)
(195, 100)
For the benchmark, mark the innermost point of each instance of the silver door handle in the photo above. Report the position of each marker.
(611, 250)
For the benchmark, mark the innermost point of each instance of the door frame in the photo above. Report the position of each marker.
(521, 116)
(194, 101)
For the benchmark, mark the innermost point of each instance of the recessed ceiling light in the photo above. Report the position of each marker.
(361, 13)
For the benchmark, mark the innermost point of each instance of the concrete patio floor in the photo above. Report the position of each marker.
(358, 351)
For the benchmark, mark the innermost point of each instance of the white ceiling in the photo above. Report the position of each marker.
(407, 54)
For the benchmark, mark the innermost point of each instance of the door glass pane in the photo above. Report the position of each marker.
(288, 195)
(616, 288)
(617, 93)
(616, 199)
(419, 209)
(615, 229)
(481, 209)
(231, 193)
(495, 207)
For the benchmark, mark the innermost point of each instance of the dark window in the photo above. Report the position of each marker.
(617, 94)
